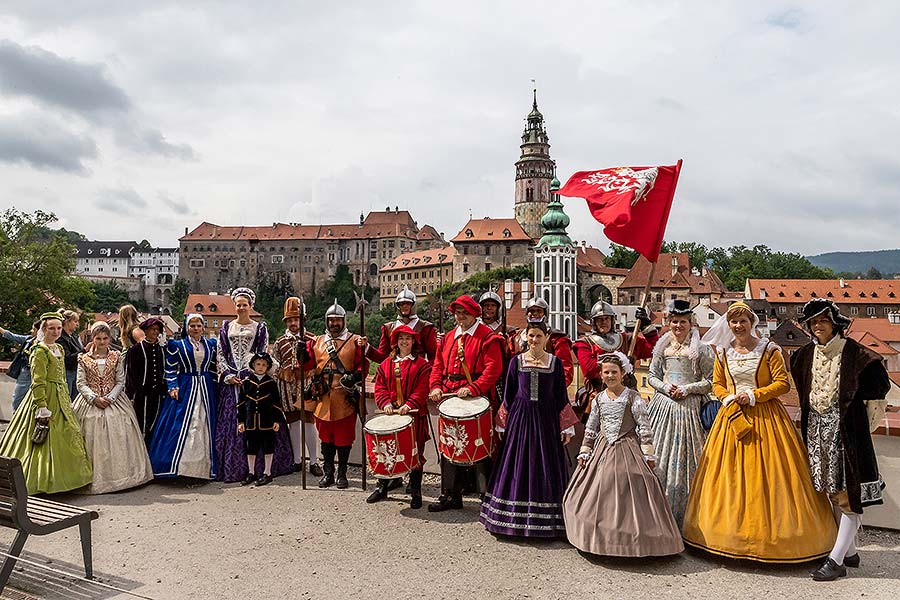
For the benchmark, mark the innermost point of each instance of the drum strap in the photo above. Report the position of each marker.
(462, 359)
(399, 384)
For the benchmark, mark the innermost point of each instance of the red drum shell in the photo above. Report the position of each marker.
(465, 430)
(391, 445)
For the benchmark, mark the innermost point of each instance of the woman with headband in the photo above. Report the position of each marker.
(44, 433)
(182, 443)
(614, 505)
(752, 496)
(239, 340)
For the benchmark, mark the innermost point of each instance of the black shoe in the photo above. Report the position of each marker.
(295, 468)
(264, 480)
(326, 481)
(342, 483)
(446, 503)
(852, 561)
(380, 493)
(250, 478)
(315, 470)
(394, 483)
(829, 571)
(416, 501)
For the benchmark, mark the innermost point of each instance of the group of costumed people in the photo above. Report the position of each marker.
(713, 460)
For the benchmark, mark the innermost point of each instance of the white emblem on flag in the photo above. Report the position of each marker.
(625, 179)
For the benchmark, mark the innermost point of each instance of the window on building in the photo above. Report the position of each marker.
(870, 311)
(659, 297)
(215, 322)
(198, 263)
(243, 263)
(487, 250)
(465, 249)
(799, 310)
(198, 308)
(887, 310)
(487, 266)
(508, 249)
(465, 267)
(782, 310)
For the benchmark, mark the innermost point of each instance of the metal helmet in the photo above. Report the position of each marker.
(336, 311)
(406, 295)
(491, 295)
(538, 303)
(603, 309)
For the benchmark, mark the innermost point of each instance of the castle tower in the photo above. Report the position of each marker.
(555, 255)
(534, 170)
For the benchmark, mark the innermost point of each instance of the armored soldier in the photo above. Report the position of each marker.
(406, 315)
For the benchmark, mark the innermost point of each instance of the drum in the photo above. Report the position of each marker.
(391, 445)
(465, 429)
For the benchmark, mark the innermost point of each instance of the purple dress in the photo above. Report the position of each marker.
(524, 494)
(235, 351)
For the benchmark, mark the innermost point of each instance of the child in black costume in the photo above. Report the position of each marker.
(259, 416)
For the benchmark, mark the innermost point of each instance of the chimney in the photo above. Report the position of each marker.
(360, 219)
(387, 209)
(396, 208)
(843, 283)
(185, 231)
(762, 294)
(674, 265)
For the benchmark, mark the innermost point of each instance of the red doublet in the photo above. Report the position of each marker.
(414, 375)
(427, 341)
(484, 359)
(588, 352)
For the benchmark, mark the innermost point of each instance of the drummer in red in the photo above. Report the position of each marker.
(406, 315)
(401, 386)
(558, 343)
(468, 363)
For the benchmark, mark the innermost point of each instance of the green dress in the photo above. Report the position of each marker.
(61, 463)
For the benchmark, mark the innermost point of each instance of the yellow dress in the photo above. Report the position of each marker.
(752, 496)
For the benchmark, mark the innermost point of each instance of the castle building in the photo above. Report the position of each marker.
(422, 271)
(534, 170)
(217, 258)
(485, 244)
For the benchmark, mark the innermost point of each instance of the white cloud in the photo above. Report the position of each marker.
(314, 112)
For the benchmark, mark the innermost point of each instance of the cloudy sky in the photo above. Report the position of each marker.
(133, 123)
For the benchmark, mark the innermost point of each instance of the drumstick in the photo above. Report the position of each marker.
(381, 412)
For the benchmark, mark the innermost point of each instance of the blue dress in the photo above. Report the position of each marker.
(183, 439)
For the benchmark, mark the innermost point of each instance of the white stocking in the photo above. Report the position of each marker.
(251, 463)
(268, 466)
(312, 442)
(846, 533)
(296, 439)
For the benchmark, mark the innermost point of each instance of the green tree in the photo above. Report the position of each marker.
(35, 270)
(621, 257)
(271, 290)
(108, 297)
(181, 289)
(873, 273)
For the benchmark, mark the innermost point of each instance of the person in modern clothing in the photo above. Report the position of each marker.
(681, 374)
(130, 332)
(614, 505)
(23, 379)
(182, 443)
(72, 346)
(535, 420)
(752, 496)
(107, 419)
(836, 378)
(53, 459)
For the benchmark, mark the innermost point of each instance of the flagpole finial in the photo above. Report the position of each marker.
(534, 91)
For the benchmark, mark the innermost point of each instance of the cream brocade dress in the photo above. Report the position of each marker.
(112, 436)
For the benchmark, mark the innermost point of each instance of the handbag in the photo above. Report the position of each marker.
(19, 361)
(708, 413)
(41, 426)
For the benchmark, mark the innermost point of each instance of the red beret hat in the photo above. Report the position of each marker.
(468, 304)
(395, 333)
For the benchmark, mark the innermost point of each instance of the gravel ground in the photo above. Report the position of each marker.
(209, 540)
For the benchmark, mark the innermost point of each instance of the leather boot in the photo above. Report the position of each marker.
(343, 453)
(380, 493)
(446, 502)
(415, 489)
(327, 465)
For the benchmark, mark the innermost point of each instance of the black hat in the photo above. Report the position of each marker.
(818, 306)
(678, 307)
(260, 356)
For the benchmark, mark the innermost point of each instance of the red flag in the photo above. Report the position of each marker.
(632, 202)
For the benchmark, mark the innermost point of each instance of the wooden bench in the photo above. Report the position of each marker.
(36, 516)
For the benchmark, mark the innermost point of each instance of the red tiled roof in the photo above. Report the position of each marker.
(399, 217)
(895, 377)
(224, 306)
(427, 232)
(881, 328)
(663, 277)
(421, 258)
(491, 230)
(800, 291)
(591, 260)
(871, 341)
